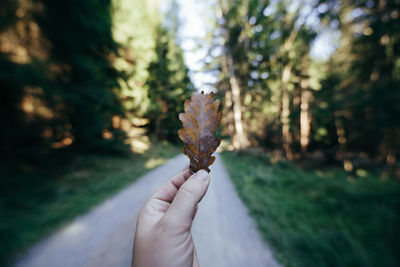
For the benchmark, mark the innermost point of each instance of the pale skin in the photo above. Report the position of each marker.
(163, 232)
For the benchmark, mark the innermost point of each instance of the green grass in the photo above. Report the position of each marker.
(34, 203)
(319, 218)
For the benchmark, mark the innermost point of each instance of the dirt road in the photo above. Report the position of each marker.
(223, 232)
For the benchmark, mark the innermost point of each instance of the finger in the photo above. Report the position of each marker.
(183, 206)
(169, 189)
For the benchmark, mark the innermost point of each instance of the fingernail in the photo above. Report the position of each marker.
(202, 175)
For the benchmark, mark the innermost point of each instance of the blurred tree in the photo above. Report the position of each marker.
(228, 44)
(361, 88)
(83, 76)
(59, 85)
(168, 84)
(261, 49)
(157, 80)
(264, 55)
(135, 27)
(22, 52)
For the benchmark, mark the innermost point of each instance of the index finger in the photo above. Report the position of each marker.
(169, 189)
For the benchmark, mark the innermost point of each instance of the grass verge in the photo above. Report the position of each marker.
(315, 218)
(34, 203)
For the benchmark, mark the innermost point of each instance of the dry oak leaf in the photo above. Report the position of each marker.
(200, 122)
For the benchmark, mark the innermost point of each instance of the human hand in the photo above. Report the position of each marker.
(163, 232)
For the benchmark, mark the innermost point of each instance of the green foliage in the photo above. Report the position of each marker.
(77, 64)
(168, 87)
(59, 81)
(258, 42)
(319, 218)
(34, 202)
(135, 24)
(20, 134)
(168, 84)
(361, 87)
(158, 81)
(292, 102)
(80, 34)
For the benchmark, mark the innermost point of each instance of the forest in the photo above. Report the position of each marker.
(81, 75)
(108, 77)
(279, 98)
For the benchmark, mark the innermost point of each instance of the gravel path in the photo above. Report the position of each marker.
(223, 232)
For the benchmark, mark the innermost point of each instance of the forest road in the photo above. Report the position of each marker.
(223, 232)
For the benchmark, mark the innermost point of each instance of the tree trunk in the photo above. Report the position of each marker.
(305, 116)
(240, 140)
(285, 113)
(229, 117)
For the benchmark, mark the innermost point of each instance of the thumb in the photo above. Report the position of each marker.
(183, 207)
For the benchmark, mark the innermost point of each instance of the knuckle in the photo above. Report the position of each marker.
(189, 190)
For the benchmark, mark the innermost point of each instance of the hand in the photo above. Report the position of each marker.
(163, 233)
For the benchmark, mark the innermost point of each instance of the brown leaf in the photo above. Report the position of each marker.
(200, 122)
